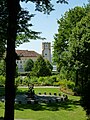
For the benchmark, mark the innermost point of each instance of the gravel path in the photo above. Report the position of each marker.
(40, 86)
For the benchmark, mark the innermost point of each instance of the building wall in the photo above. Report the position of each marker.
(24, 55)
(20, 63)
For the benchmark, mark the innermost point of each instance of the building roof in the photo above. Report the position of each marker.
(26, 53)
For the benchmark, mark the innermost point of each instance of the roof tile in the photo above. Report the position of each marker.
(26, 53)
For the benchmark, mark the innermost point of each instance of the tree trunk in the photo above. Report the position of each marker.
(10, 59)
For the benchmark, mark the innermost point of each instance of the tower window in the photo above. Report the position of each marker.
(16, 61)
(46, 46)
(20, 61)
(20, 66)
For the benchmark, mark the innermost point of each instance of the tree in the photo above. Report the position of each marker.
(41, 68)
(76, 55)
(66, 25)
(49, 65)
(24, 32)
(80, 49)
(28, 65)
(63, 56)
(13, 10)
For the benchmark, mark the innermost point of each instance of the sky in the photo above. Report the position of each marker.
(47, 24)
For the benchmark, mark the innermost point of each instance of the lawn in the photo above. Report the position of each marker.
(69, 110)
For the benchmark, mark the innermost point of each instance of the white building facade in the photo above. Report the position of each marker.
(24, 56)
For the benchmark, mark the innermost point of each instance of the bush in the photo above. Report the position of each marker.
(48, 81)
(66, 84)
(34, 80)
(22, 81)
(41, 80)
(70, 84)
(63, 83)
(2, 80)
(17, 81)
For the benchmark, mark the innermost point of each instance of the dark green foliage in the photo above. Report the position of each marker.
(40, 68)
(45, 6)
(66, 24)
(24, 32)
(2, 90)
(85, 98)
(3, 26)
(72, 50)
(2, 80)
(2, 67)
(29, 65)
(49, 65)
(71, 46)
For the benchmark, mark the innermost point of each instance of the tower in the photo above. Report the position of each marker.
(46, 50)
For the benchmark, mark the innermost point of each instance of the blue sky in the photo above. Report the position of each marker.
(47, 24)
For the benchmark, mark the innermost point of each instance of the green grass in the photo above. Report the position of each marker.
(70, 110)
(47, 90)
(41, 90)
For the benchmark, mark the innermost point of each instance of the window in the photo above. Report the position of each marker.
(16, 61)
(46, 46)
(20, 66)
(20, 61)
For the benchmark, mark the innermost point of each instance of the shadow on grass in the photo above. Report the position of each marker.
(20, 92)
(69, 105)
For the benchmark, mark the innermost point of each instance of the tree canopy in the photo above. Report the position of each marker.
(24, 31)
(70, 39)
(28, 65)
(66, 25)
(49, 65)
(41, 67)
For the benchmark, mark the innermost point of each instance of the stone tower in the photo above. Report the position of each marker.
(46, 50)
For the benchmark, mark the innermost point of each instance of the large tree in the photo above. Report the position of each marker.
(66, 25)
(13, 10)
(65, 55)
(80, 44)
(24, 32)
(75, 56)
